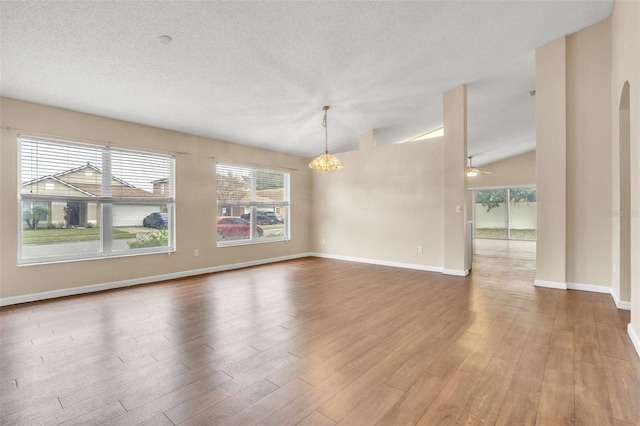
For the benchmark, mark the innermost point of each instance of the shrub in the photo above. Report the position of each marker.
(51, 225)
(151, 239)
(34, 215)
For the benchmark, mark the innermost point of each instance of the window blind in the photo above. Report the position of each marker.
(52, 169)
(238, 185)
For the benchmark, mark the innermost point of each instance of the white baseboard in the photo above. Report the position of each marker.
(589, 287)
(146, 280)
(379, 262)
(5, 301)
(456, 272)
(620, 304)
(593, 288)
(634, 338)
(550, 284)
(624, 305)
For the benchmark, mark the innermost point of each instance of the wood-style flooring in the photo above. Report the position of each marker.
(324, 342)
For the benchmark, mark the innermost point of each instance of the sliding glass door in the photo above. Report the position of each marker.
(505, 213)
(490, 211)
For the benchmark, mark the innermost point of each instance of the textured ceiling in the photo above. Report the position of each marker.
(258, 73)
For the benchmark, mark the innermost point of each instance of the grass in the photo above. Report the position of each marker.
(52, 236)
(516, 234)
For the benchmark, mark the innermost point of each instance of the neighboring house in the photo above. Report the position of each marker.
(86, 182)
(161, 188)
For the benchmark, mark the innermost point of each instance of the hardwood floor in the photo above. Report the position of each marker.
(325, 342)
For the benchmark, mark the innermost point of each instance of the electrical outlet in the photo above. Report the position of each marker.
(196, 252)
(420, 249)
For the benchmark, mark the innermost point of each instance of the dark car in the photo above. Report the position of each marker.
(156, 220)
(264, 217)
(235, 228)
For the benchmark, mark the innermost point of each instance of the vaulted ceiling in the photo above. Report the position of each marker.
(259, 73)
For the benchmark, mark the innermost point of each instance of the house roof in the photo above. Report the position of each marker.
(121, 189)
(259, 73)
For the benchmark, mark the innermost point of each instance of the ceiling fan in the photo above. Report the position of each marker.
(473, 171)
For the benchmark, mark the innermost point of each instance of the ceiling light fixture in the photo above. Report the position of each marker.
(472, 171)
(325, 162)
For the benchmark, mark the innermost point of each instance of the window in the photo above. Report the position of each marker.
(253, 205)
(86, 201)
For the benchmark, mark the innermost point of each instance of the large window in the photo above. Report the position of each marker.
(253, 205)
(85, 201)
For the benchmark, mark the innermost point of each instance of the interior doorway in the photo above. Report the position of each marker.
(505, 213)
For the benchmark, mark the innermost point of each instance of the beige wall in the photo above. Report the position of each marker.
(454, 113)
(385, 203)
(515, 171)
(588, 69)
(195, 200)
(625, 58)
(551, 160)
(600, 60)
(573, 76)
(389, 201)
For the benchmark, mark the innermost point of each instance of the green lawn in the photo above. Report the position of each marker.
(516, 234)
(51, 236)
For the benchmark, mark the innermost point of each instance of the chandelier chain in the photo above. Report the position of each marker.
(326, 132)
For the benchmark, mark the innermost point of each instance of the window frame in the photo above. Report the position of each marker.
(104, 204)
(253, 205)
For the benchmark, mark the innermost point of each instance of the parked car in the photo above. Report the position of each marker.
(156, 220)
(264, 217)
(234, 228)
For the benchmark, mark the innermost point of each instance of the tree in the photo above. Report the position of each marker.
(522, 195)
(34, 215)
(491, 199)
(269, 180)
(231, 187)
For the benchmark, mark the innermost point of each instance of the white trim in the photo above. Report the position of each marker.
(634, 338)
(456, 272)
(550, 284)
(623, 305)
(601, 289)
(379, 262)
(589, 287)
(136, 281)
(586, 287)
(620, 304)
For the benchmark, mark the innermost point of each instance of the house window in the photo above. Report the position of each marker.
(253, 205)
(85, 201)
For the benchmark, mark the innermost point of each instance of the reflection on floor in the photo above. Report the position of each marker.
(516, 258)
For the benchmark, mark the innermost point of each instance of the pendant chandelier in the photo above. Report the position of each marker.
(325, 162)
